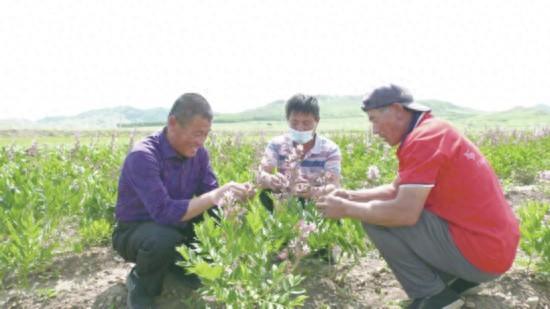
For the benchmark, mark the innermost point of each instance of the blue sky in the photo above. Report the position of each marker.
(65, 57)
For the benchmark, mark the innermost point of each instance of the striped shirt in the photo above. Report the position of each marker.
(322, 158)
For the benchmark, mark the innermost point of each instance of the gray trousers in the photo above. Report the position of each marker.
(424, 257)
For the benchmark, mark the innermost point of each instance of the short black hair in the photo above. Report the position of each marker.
(190, 105)
(302, 104)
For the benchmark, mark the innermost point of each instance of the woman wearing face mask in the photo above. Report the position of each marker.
(318, 158)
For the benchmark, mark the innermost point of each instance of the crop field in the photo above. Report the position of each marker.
(57, 197)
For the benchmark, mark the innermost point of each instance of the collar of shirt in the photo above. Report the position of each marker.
(415, 120)
(167, 151)
(317, 146)
(421, 117)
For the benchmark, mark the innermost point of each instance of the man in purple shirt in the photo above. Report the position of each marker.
(165, 185)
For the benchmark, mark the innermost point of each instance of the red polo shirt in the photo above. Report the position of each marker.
(466, 192)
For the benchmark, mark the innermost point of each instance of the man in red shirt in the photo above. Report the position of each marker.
(443, 225)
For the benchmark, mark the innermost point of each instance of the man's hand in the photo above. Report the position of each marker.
(250, 190)
(274, 182)
(302, 188)
(197, 205)
(317, 192)
(342, 193)
(331, 206)
(241, 191)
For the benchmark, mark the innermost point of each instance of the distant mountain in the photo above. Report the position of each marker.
(346, 108)
(517, 117)
(106, 118)
(340, 107)
(271, 112)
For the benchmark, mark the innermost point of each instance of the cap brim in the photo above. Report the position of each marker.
(417, 107)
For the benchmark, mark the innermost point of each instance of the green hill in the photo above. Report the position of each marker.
(339, 107)
(337, 112)
(107, 118)
(271, 112)
(518, 117)
(343, 112)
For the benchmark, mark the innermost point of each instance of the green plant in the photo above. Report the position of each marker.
(535, 233)
(29, 244)
(253, 261)
(96, 232)
(45, 195)
(60, 198)
(47, 293)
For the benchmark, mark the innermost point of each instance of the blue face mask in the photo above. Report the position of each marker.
(301, 137)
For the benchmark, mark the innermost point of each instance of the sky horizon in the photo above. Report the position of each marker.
(61, 58)
(253, 107)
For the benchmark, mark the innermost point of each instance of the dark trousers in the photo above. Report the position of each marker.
(151, 246)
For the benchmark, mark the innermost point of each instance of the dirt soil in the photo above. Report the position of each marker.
(96, 279)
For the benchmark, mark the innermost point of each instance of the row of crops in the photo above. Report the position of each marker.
(60, 199)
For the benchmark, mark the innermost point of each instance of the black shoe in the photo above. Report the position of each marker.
(463, 287)
(137, 296)
(446, 299)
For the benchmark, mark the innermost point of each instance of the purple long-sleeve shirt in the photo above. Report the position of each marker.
(156, 183)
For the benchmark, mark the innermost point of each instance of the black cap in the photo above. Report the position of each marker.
(386, 95)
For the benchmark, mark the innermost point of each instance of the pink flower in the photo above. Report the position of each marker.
(305, 228)
(544, 175)
(349, 149)
(33, 150)
(231, 209)
(112, 144)
(283, 255)
(299, 247)
(373, 173)
(131, 141)
(228, 199)
(291, 168)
